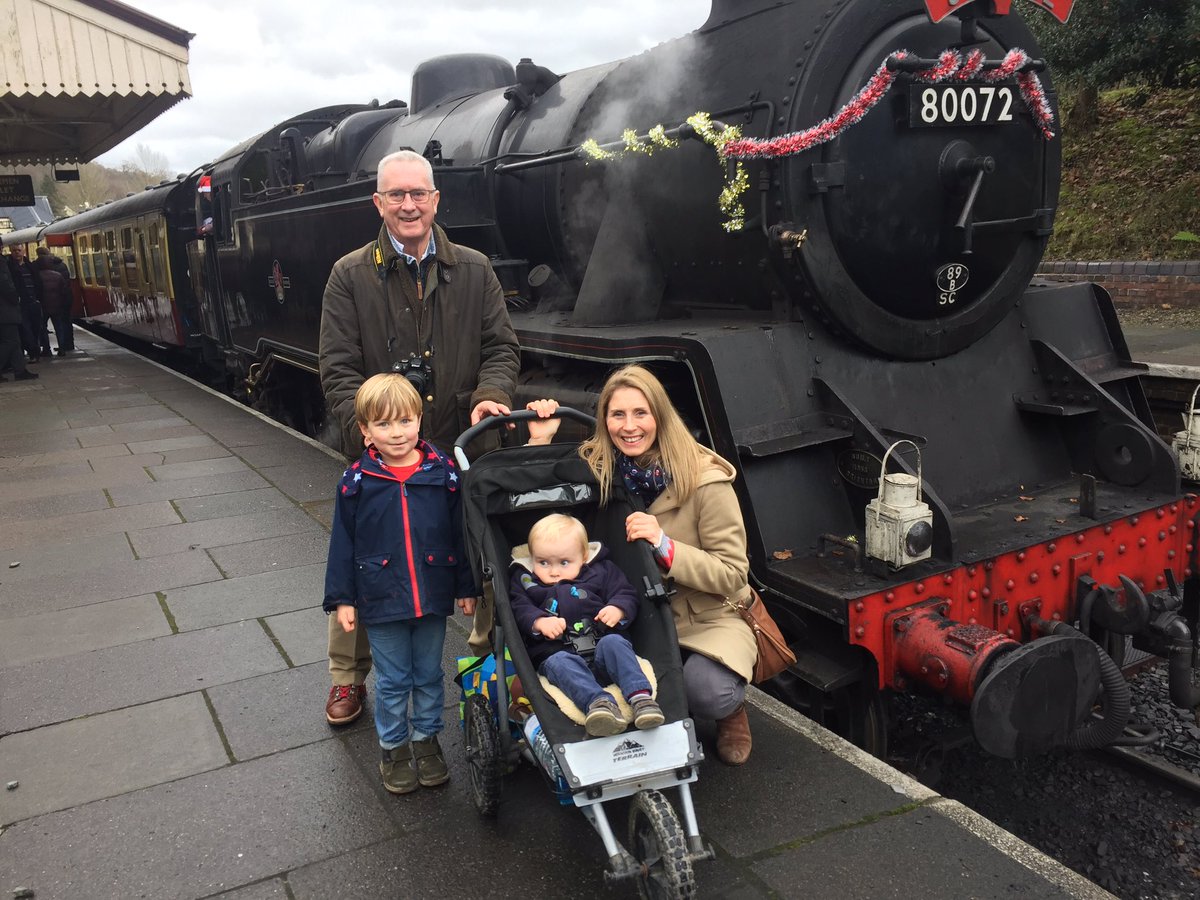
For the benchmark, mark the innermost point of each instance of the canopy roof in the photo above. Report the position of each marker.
(77, 77)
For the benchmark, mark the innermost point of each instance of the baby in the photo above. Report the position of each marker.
(563, 586)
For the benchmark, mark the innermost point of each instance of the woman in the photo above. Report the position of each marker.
(695, 525)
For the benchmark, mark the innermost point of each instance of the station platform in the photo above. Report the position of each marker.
(1169, 352)
(163, 677)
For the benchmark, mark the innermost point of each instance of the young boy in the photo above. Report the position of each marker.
(396, 560)
(562, 586)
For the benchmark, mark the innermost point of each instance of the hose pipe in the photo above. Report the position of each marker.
(1102, 731)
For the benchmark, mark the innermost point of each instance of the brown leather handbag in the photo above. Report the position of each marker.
(774, 655)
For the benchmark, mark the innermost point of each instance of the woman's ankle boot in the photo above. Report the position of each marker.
(733, 738)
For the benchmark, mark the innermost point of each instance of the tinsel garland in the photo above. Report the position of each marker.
(727, 140)
(950, 65)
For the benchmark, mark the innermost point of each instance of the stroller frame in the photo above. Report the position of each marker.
(519, 485)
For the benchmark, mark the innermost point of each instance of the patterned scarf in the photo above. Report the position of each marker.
(647, 483)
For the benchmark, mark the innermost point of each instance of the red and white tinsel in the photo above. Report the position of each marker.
(950, 65)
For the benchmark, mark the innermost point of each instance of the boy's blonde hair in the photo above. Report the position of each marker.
(557, 525)
(384, 396)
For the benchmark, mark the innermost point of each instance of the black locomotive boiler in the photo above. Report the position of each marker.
(870, 293)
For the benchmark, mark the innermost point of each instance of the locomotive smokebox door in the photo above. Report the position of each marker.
(1187, 442)
(899, 522)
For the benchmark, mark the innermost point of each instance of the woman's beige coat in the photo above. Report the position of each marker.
(710, 565)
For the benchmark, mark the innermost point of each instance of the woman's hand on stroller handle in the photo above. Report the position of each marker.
(521, 415)
(644, 526)
(545, 426)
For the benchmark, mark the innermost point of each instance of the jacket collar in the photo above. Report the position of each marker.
(385, 257)
(433, 464)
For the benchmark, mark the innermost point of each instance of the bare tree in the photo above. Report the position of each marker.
(149, 162)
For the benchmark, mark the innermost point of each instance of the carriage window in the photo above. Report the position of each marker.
(96, 243)
(68, 258)
(85, 265)
(112, 261)
(143, 258)
(157, 268)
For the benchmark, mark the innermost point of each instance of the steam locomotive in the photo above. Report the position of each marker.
(854, 317)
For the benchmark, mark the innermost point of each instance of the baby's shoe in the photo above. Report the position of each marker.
(431, 765)
(646, 712)
(604, 717)
(399, 776)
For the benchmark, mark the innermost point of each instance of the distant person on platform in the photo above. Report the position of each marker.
(411, 301)
(11, 355)
(56, 298)
(34, 335)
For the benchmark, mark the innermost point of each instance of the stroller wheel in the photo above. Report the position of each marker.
(658, 842)
(483, 754)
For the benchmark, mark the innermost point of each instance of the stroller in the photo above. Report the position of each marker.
(504, 493)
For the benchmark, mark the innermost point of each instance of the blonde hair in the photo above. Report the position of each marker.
(558, 525)
(674, 447)
(386, 395)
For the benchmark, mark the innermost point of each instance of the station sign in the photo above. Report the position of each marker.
(16, 190)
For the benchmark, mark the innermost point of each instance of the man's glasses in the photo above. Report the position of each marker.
(419, 196)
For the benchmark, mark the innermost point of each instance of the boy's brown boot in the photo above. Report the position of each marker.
(431, 765)
(733, 737)
(396, 767)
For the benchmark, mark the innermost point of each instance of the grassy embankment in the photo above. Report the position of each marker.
(1131, 187)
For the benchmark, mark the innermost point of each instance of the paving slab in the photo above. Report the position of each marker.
(57, 458)
(119, 576)
(48, 561)
(282, 710)
(272, 555)
(163, 428)
(310, 481)
(121, 400)
(304, 635)
(22, 443)
(41, 693)
(234, 504)
(242, 432)
(49, 507)
(175, 538)
(34, 489)
(66, 527)
(291, 453)
(321, 510)
(200, 835)
(146, 412)
(16, 476)
(249, 597)
(50, 635)
(73, 763)
(841, 864)
(194, 454)
(272, 889)
(162, 445)
(223, 466)
(124, 495)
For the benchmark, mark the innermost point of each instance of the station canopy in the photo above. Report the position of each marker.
(77, 77)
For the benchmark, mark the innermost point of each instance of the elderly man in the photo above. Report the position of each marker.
(411, 301)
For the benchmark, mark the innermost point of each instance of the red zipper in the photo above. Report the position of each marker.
(412, 566)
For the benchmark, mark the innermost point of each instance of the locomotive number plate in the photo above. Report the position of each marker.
(941, 105)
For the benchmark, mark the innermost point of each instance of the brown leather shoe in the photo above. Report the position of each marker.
(733, 738)
(345, 703)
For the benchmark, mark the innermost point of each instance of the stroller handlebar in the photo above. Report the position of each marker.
(521, 415)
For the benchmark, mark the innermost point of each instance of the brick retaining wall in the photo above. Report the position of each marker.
(1134, 283)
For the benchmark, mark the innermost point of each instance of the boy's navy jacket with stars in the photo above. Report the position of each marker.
(396, 550)
(600, 583)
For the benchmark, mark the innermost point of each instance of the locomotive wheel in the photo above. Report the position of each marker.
(855, 712)
(658, 842)
(483, 755)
